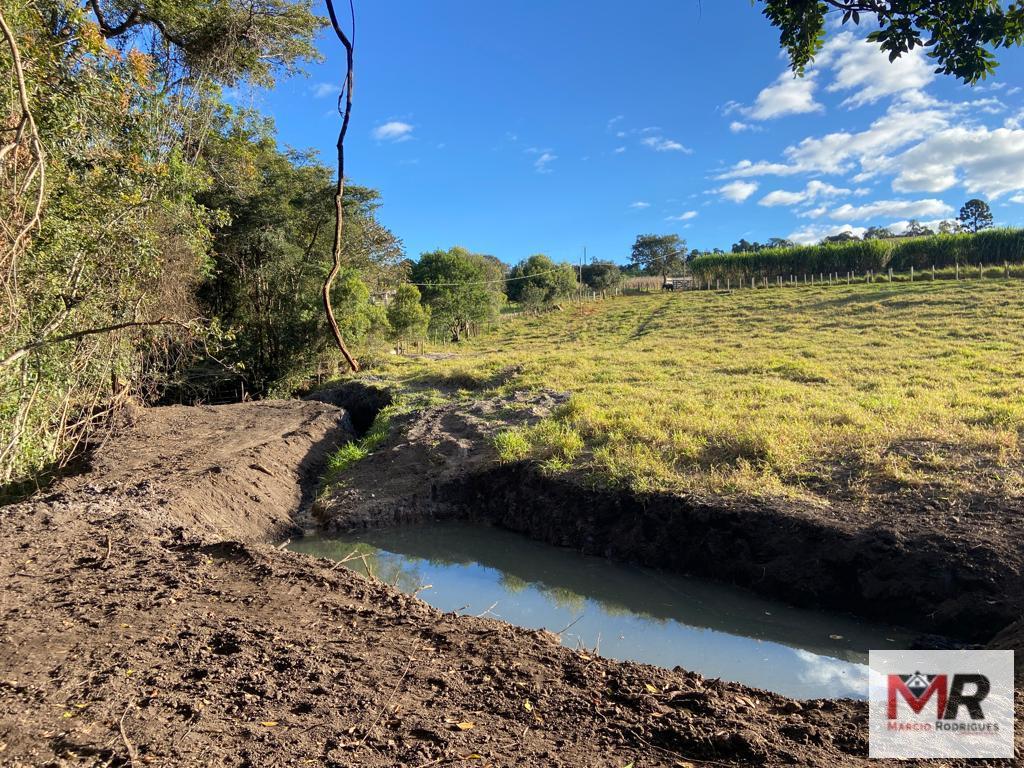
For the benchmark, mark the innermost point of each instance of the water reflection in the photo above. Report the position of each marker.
(627, 611)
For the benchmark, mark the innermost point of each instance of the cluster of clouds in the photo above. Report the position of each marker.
(920, 145)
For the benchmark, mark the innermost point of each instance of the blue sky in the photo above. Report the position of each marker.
(514, 129)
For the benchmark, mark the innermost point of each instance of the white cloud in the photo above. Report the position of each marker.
(544, 159)
(1018, 199)
(737, 191)
(866, 151)
(812, 191)
(891, 209)
(788, 95)
(862, 68)
(393, 130)
(738, 127)
(685, 216)
(814, 233)
(984, 161)
(323, 90)
(619, 150)
(661, 144)
(640, 204)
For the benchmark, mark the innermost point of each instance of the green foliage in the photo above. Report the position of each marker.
(512, 445)
(460, 288)
(164, 203)
(538, 281)
(228, 40)
(993, 247)
(658, 254)
(959, 34)
(408, 317)
(975, 216)
(601, 275)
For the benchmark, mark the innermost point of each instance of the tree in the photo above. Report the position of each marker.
(878, 233)
(345, 108)
(975, 215)
(743, 246)
(948, 227)
(408, 317)
(601, 275)
(460, 288)
(959, 33)
(539, 278)
(659, 254)
(917, 229)
(842, 237)
(780, 242)
(231, 40)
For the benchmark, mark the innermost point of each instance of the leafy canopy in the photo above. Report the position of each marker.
(975, 215)
(959, 34)
(460, 288)
(658, 254)
(538, 280)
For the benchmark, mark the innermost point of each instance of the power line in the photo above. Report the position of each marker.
(486, 282)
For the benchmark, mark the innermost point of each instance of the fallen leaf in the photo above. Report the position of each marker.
(527, 705)
(464, 726)
(650, 688)
(269, 723)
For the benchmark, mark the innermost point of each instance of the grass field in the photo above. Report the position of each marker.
(812, 392)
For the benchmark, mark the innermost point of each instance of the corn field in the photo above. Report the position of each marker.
(993, 247)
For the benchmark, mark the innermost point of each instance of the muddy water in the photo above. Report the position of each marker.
(626, 612)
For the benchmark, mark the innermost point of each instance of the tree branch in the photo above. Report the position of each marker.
(22, 351)
(34, 141)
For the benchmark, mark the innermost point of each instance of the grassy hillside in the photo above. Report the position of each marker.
(814, 392)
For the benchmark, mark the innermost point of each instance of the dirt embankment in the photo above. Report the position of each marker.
(957, 573)
(143, 622)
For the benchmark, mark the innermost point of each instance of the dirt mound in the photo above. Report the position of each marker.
(137, 627)
(426, 451)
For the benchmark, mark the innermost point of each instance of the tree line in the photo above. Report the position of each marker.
(157, 243)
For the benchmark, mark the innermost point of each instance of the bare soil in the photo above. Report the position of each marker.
(147, 617)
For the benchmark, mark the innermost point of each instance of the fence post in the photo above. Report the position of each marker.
(890, 274)
(958, 270)
(981, 271)
(933, 271)
(911, 273)
(1006, 269)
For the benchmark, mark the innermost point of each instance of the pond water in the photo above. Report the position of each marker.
(623, 611)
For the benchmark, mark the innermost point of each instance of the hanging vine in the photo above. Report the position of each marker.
(345, 108)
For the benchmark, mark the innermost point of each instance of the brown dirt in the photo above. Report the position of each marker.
(144, 620)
